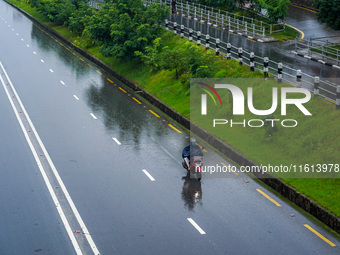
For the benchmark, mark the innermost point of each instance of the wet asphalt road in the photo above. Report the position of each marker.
(101, 137)
(305, 20)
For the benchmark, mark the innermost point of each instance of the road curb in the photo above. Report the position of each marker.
(316, 60)
(278, 185)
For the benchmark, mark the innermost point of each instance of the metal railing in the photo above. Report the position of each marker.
(96, 4)
(281, 72)
(223, 19)
(319, 49)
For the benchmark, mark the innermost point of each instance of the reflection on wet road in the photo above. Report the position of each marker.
(122, 168)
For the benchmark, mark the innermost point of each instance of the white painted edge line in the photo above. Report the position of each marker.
(250, 37)
(42, 61)
(22, 39)
(43, 173)
(306, 56)
(259, 40)
(17, 34)
(335, 66)
(116, 140)
(322, 62)
(55, 172)
(51, 70)
(27, 45)
(93, 116)
(63, 83)
(196, 226)
(77, 98)
(34, 52)
(148, 175)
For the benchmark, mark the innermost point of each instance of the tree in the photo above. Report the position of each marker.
(172, 60)
(97, 26)
(277, 9)
(134, 27)
(329, 11)
(150, 56)
(79, 17)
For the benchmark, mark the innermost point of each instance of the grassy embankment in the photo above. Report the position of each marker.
(315, 140)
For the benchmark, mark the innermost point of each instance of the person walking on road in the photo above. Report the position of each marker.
(173, 4)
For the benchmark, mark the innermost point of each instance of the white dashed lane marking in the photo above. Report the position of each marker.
(196, 226)
(148, 175)
(116, 140)
(93, 116)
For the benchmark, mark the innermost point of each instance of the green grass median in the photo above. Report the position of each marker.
(316, 140)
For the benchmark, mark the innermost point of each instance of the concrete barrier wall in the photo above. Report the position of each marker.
(285, 190)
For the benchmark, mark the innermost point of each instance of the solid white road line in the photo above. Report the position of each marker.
(93, 116)
(43, 173)
(62, 83)
(55, 172)
(116, 140)
(196, 226)
(42, 61)
(77, 98)
(148, 175)
(34, 52)
(51, 70)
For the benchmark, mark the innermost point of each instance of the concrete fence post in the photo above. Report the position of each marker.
(218, 47)
(166, 24)
(316, 85)
(298, 77)
(228, 50)
(240, 52)
(338, 97)
(252, 58)
(265, 66)
(207, 42)
(198, 38)
(279, 72)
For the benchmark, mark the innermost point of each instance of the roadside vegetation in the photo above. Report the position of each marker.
(328, 12)
(128, 37)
